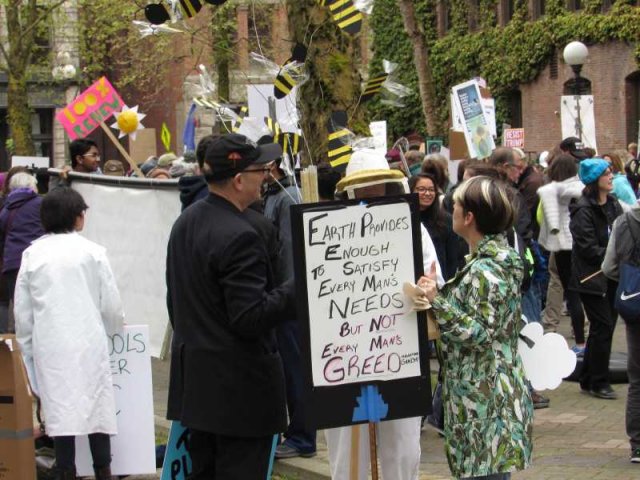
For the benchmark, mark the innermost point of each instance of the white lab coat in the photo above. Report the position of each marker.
(398, 440)
(66, 302)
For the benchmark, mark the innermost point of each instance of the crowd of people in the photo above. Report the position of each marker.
(508, 241)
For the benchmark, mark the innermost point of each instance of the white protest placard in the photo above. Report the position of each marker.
(37, 162)
(475, 125)
(577, 113)
(362, 327)
(133, 448)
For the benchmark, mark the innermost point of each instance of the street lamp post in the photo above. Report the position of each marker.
(575, 54)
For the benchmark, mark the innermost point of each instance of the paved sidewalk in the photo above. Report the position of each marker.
(578, 436)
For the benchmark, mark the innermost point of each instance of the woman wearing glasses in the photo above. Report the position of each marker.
(437, 221)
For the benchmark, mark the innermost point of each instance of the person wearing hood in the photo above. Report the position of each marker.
(19, 225)
(591, 219)
(555, 236)
(280, 194)
(488, 408)
(623, 248)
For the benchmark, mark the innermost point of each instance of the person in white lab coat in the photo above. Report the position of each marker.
(368, 175)
(66, 303)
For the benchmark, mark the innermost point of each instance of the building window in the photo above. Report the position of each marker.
(473, 9)
(577, 86)
(507, 8)
(574, 4)
(553, 65)
(515, 108)
(632, 86)
(606, 5)
(443, 13)
(538, 8)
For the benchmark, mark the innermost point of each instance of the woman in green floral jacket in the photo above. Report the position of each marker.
(488, 409)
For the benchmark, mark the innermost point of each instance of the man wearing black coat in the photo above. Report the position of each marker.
(226, 381)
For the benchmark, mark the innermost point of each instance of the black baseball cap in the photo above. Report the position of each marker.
(573, 146)
(232, 153)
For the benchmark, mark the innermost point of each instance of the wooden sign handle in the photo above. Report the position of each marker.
(373, 451)
(121, 149)
(354, 464)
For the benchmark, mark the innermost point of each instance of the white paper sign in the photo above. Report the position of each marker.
(379, 134)
(133, 448)
(286, 111)
(38, 162)
(576, 111)
(361, 326)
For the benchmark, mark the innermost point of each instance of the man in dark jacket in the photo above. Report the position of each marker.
(226, 382)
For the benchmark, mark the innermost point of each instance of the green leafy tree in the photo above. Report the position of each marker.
(24, 21)
(334, 82)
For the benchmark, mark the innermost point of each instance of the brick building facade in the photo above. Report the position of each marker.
(611, 68)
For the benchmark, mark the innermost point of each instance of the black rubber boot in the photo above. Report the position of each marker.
(66, 473)
(103, 473)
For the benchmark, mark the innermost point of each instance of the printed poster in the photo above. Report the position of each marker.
(475, 125)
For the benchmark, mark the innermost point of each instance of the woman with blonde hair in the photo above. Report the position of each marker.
(488, 408)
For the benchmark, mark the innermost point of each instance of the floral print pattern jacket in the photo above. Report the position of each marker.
(487, 405)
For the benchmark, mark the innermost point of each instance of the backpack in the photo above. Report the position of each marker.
(627, 300)
(633, 174)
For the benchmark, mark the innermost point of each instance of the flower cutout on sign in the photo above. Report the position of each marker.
(128, 121)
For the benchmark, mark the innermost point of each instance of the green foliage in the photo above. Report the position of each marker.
(505, 56)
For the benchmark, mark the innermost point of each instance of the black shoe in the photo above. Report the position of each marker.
(285, 451)
(635, 455)
(606, 393)
(539, 401)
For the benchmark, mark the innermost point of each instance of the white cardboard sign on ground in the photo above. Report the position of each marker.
(133, 448)
(362, 327)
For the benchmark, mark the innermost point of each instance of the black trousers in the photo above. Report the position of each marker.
(65, 448)
(563, 263)
(602, 319)
(220, 457)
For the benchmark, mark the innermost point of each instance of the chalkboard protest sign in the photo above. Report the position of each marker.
(362, 343)
(133, 448)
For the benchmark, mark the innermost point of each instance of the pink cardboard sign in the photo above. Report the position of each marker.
(94, 105)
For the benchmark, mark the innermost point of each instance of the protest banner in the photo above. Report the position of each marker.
(91, 108)
(513, 137)
(132, 219)
(133, 448)
(362, 342)
(468, 103)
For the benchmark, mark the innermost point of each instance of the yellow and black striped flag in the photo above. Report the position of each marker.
(289, 141)
(284, 82)
(373, 86)
(345, 14)
(190, 7)
(339, 149)
(243, 113)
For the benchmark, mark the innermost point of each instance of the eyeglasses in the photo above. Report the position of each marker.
(95, 155)
(264, 170)
(422, 190)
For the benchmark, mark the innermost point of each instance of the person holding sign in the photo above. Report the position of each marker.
(226, 383)
(368, 175)
(66, 304)
(488, 408)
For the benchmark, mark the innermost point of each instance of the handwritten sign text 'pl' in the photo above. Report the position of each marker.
(94, 105)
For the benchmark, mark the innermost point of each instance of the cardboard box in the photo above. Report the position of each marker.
(17, 451)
